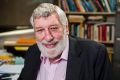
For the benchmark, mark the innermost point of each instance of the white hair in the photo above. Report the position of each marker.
(45, 10)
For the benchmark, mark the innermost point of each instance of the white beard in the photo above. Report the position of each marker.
(53, 52)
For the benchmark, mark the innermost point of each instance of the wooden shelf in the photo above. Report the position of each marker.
(91, 13)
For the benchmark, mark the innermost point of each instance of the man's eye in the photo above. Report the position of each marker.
(54, 28)
(39, 30)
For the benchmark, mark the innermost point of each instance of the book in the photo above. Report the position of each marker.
(81, 30)
(113, 33)
(107, 6)
(95, 33)
(75, 29)
(72, 5)
(108, 33)
(113, 5)
(64, 5)
(99, 6)
(84, 5)
(88, 6)
(76, 19)
(93, 5)
(102, 3)
(79, 5)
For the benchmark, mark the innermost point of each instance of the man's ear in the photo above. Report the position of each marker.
(67, 29)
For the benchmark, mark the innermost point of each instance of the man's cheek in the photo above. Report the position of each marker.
(58, 36)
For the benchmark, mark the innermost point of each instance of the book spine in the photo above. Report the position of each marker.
(72, 5)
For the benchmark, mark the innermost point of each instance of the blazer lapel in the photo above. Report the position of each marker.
(35, 69)
(35, 64)
(73, 65)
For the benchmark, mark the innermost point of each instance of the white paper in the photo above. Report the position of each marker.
(11, 68)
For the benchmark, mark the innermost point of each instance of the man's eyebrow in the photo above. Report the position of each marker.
(38, 27)
(54, 24)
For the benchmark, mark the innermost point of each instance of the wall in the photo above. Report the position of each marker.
(17, 12)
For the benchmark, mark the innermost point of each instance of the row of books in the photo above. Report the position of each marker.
(88, 5)
(101, 32)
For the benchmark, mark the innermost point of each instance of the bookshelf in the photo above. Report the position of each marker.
(92, 13)
(116, 57)
(92, 19)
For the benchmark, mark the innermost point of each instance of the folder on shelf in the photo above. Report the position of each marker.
(79, 20)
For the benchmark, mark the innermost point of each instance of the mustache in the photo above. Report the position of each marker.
(51, 42)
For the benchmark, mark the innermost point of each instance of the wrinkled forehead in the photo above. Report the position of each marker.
(52, 16)
(47, 21)
(43, 14)
(46, 15)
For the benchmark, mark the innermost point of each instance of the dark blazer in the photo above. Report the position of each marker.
(87, 60)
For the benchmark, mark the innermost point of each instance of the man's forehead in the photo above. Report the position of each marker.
(51, 14)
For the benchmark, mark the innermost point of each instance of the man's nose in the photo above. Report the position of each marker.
(48, 36)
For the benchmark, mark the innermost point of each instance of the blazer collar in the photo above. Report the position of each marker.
(36, 61)
(72, 72)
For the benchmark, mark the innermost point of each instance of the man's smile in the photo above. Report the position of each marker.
(50, 45)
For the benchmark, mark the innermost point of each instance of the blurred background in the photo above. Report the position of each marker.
(92, 19)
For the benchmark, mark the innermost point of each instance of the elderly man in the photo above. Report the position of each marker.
(57, 56)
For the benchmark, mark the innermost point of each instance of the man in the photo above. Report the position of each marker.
(56, 56)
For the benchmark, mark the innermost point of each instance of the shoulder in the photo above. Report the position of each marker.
(33, 48)
(32, 51)
(86, 42)
(89, 47)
